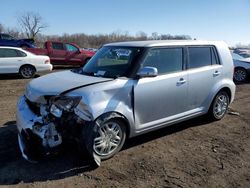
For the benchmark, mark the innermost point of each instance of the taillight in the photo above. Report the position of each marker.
(47, 61)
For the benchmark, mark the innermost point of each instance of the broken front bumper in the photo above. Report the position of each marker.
(30, 139)
(34, 143)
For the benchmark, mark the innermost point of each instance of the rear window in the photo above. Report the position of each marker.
(201, 56)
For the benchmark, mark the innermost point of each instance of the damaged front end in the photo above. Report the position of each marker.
(42, 127)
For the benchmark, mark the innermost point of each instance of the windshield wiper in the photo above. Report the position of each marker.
(88, 73)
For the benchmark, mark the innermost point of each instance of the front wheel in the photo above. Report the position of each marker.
(106, 138)
(219, 106)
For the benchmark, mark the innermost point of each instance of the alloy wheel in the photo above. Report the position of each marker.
(108, 139)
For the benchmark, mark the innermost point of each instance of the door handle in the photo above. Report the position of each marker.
(216, 73)
(181, 81)
(19, 60)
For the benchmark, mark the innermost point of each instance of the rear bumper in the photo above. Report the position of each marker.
(44, 67)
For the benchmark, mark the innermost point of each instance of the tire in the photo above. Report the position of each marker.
(219, 106)
(240, 75)
(105, 138)
(27, 71)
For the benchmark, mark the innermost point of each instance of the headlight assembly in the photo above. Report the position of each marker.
(63, 103)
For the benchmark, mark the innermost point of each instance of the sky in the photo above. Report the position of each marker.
(227, 20)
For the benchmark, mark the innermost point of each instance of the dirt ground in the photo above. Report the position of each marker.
(195, 153)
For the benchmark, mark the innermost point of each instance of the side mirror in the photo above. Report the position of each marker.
(147, 72)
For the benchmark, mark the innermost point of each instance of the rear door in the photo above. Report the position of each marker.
(58, 54)
(204, 71)
(163, 98)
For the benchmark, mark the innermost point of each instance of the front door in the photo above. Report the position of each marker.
(74, 56)
(162, 98)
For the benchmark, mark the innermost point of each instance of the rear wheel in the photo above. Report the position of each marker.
(27, 71)
(219, 106)
(240, 75)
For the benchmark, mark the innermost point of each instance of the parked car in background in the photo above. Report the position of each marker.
(8, 40)
(241, 68)
(17, 60)
(61, 53)
(125, 90)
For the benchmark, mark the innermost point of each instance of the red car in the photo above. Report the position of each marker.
(63, 53)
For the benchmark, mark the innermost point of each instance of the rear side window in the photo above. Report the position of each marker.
(201, 56)
(21, 54)
(57, 46)
(166, 60)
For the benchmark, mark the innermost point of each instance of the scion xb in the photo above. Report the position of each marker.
(126, 89)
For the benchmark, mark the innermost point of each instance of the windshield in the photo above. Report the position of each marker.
(236, 56)
(111, 61)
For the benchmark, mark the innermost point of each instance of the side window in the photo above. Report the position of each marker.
(57, 46)
(71, 48)
(201, 56)
(8, 53)
(166, 60)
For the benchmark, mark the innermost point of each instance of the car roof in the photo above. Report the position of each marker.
(9, 47)
(159, 43)
(16, 48)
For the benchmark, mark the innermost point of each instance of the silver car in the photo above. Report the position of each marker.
(125, 90)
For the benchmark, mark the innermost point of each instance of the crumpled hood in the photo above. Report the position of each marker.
(57, 83)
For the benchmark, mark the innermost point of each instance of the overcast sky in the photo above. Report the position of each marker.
(227, 20)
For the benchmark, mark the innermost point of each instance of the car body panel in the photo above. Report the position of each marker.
(242, 64)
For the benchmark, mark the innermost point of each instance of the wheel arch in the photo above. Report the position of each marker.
(227, 90)
(27, 64)
(115, 115)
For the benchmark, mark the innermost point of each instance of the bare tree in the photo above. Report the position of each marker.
(1, 28)
(31, 23)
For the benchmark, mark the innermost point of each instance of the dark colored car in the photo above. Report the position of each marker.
(62, 53)
(8, 40)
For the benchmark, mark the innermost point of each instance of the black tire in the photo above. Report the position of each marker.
(27, 71)
(219, 106)
(92, 134)
(240, 75)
